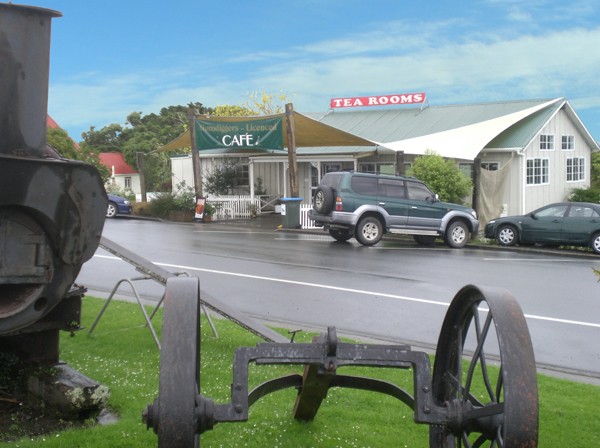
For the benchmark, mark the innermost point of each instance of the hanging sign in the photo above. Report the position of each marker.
(265, 134)
(378, 100)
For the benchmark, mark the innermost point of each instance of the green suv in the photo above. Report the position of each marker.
(365, 206)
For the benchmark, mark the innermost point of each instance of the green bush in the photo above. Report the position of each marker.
(585, 195)
(442, 176)
(184, 199)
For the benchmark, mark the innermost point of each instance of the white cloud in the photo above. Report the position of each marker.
(452, 61)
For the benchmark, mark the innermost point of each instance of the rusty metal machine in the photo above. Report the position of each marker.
(51, 209)
(482, 391)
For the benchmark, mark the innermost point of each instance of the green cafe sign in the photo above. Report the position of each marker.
(265, 134)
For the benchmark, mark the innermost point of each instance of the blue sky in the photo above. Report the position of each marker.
(114, 57)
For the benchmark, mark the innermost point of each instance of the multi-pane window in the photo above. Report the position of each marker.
(568, 142)
(575, 169)
(537, 171)
(546, 142)
(377, 168)
(367, 168)
(242, 176)
(490, 166)
(127, 182)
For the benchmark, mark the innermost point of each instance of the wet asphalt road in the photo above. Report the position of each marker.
(395, 291)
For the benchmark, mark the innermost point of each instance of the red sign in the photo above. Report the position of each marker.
(379, 100)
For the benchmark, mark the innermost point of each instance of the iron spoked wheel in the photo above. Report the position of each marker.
(484, 373)
(179, 377)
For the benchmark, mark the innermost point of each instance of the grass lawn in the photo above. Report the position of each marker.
(121, 354)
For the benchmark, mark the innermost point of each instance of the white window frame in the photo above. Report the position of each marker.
(376, 167)
(567, 143)
(546, 142)
(490, 166)
(575, 169)
(127, 182)
(541, 178)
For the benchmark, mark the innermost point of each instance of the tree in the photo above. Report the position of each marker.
(59, 139)
(61, 142)
(442, 176)
(107, 139)
(144, 134)
(233, 111)
(267, 103)
(595, 168)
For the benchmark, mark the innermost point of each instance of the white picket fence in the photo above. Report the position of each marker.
(230, 207)
(243, 206)
(305, 221)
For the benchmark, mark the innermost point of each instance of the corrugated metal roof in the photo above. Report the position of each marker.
(455, 131)
(402, 124)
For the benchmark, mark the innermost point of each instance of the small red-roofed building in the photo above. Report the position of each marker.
(122, 175)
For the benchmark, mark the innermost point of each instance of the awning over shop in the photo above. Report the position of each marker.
(464, 142)
(308, 132)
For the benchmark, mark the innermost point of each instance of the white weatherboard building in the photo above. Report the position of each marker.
(532, 152)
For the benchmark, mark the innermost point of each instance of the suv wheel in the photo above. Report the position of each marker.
(324, 200)
(457, 234)
(369, 231)
(341, 235)
(425, 240)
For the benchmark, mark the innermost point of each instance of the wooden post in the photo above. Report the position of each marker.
(291, 139)
(399, 163)
(195, 156)
(315, 383)
(476, 178)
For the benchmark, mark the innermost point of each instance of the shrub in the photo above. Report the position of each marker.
(221, 179)
(442, 176)
(585, 195)
(184, 199)
(118, 191)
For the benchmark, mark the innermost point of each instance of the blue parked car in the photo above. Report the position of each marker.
(117, 206)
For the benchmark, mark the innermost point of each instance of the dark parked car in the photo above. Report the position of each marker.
(366, 206)
(560, 224)
(117, 206)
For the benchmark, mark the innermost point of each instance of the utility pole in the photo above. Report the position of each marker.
(291, 140)
(141, 166)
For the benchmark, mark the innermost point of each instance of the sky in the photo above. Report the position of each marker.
(112, 57)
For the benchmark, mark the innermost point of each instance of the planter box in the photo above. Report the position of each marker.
(181, 215)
